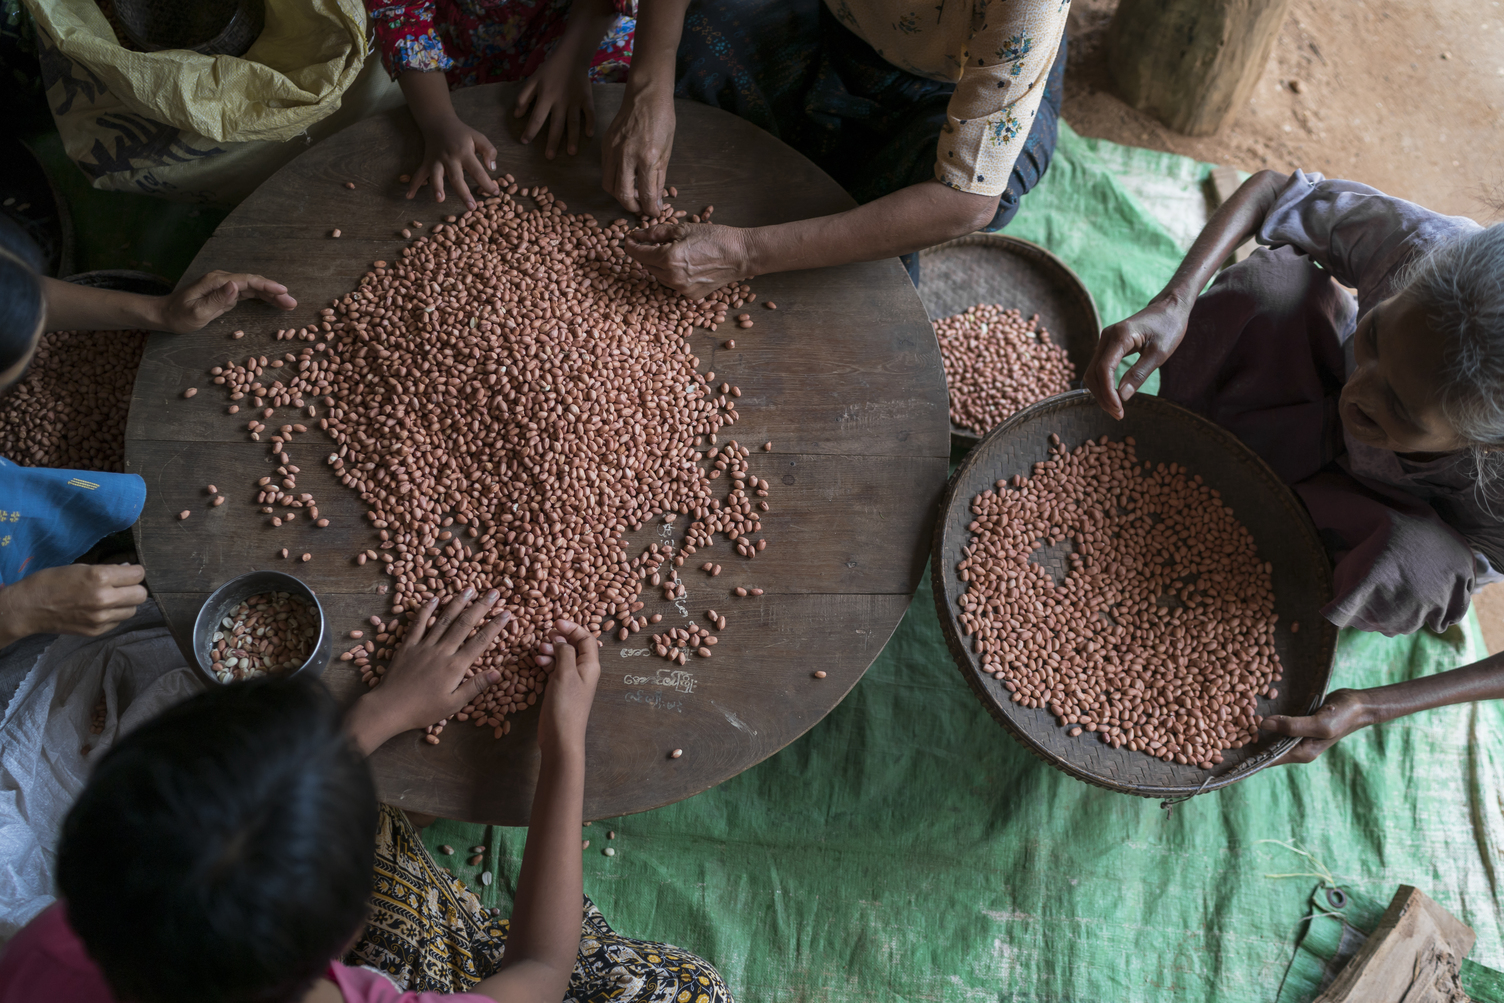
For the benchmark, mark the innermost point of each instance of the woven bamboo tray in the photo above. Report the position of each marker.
(993, 268)
(1281, 529)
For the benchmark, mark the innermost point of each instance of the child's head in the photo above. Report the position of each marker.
(222, 852)
(1430, 359)
(22, 306)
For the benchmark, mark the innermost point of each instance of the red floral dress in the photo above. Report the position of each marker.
(484, 41)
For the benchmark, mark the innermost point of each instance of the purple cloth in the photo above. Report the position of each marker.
(1266, 352)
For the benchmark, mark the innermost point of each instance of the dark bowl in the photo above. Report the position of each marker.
(235, 591)
(211, 27)
(1015, 274)
(1281, 529)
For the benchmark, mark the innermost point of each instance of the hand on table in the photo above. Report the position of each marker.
(693, 258)
(1154, 332)
(1343, 713)
(574, 667)
(559, 93)
(450, 149)
(87, 599)
(426, 680)
(216, 293)
(635, 154)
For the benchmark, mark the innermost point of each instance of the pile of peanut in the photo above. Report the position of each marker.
(1160, 638)
(267, 633)
(509, 398)
(997, 363)
(69, 409)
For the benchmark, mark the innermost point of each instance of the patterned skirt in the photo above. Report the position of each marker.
(431, 934)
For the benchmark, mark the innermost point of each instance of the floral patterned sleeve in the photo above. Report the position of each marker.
(1008, 57)
(405, 35)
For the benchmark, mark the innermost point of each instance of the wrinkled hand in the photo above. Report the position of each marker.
(216, 293)
(450, 150)
(426, 680)
(574, 667)
(693, 258)
(636, 151)
(1154, 332)
(87, 599)
(1343, 713)
(559, 93)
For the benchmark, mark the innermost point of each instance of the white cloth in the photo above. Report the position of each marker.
(45, 726)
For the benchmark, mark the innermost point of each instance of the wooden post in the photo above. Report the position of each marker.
(1191, 63)
(1412, 956)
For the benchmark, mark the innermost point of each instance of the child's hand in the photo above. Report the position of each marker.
(193, 306)
(576, 667)
(426, 680)
(450, 149)
(558, 93)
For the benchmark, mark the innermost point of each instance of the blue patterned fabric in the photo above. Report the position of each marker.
(50, 517)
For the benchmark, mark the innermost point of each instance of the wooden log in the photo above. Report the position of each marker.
(1412, 956)
(1191, 63)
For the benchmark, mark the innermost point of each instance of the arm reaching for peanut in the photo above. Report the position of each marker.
(1155, 331)
(426, 681)
(549, 905)
(73, 307)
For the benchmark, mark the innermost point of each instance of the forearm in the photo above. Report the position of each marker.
(1482, 680)
(73, 307)
(1235, 221)
(655, 44)
(546, 914)
(370, 724)
(427, 95)
(589, 20)
(909, 219)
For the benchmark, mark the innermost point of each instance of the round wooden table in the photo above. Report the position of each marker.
(844, 378)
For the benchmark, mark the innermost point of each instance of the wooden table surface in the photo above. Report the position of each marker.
(844, 378)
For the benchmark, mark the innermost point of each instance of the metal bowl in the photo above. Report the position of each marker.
(235, 591)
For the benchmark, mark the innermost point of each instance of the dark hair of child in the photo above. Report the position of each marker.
(21, 300)
(222, 852)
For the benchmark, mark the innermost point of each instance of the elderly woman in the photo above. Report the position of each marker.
(53, 516)
(1384, 411)
(937, 119)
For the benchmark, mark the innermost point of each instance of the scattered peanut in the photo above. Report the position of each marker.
(184, 514)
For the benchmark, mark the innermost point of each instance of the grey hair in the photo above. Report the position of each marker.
(1460, 289)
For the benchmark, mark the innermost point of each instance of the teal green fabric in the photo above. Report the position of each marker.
(1330, 927)
(907, 849)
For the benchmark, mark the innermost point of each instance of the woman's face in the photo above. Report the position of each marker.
(9, 377)
(1393, 398)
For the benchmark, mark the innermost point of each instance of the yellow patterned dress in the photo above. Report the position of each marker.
(430, 933)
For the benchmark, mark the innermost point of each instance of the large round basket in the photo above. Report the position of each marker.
(1281, 529)
(1013, 273)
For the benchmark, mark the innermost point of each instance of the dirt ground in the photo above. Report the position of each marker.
(1405, 96)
